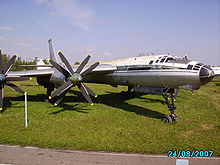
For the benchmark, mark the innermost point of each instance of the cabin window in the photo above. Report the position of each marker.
(151, 62)
(189, 67)
(162, 60)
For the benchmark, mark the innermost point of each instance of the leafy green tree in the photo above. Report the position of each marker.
(17, 66)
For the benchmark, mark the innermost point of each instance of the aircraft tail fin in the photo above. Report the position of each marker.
(53, 56)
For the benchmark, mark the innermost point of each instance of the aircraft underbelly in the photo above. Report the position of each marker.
(178, 78)
(147, 78)
(158, 78)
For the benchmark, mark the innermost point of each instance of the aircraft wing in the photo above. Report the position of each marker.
(101, 69)
(32, 73)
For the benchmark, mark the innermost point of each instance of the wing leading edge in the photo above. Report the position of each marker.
(32, 73)
(101, 69)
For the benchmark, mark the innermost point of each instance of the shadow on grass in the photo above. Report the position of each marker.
(109, 99)
(41, 97)
(67, 107)
(114, 100)
(6, 104)
(152, 100)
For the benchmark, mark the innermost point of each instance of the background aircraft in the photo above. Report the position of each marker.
(216, 70)
(160, 74)
(40, 64)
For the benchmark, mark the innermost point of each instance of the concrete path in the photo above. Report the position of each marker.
(17, 155)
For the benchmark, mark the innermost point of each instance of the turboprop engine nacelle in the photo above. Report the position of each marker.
(57, 78)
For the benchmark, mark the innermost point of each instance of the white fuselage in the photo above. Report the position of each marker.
(147, 71)
(153, 71)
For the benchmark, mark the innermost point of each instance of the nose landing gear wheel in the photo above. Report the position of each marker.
(167, 119)
(170, 104)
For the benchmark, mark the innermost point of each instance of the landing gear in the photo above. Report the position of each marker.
(167, 119)
(46, 83)
(170, 104)
(49, 91)
(128, 94)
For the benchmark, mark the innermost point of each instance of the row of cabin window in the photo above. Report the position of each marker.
(165, 58)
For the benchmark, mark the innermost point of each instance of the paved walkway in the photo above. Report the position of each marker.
(17, 155)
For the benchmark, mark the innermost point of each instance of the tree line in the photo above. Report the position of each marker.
(17, 64)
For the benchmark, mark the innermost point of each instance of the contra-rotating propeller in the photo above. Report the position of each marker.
(6, 80)
(73, 78)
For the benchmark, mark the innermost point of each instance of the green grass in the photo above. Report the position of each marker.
(113, 124)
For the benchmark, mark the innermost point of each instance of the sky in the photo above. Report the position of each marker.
(111, 29)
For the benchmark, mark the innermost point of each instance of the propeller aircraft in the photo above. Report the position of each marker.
(156, 74)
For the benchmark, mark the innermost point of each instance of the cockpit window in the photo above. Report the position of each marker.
(189, 67)
(169, 59)
(151, 62)
(157, 61)
(196, 67)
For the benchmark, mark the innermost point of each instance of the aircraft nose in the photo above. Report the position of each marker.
(206, 74)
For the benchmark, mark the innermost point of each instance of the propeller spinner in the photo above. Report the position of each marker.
(73, 78)
(6, 80)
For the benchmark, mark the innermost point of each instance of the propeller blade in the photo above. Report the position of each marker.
(1, 97)
(84, 92)
(60, 68)
(62, 89)
(63, 58)
(14, 87)
(90, 69)
(83, 64)
(61, 96)
(9, 64)
(90, 91)
(17, 78)
(0, 61)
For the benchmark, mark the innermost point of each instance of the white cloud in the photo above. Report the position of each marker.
(22, 44)
(75, 11)
(3, 38)
(6, 28)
